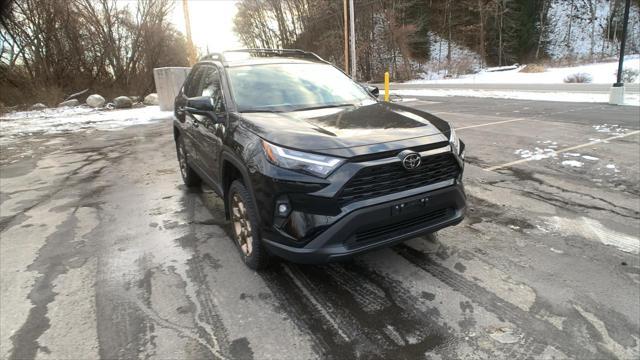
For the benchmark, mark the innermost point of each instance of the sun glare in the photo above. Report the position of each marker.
(211, 23)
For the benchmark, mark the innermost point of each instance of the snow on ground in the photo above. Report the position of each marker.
(572, 163)
(610, 129)
(536, 154)
(632, 99)
(15, 125)
(594, 230)
(548, 149)
(601, 73)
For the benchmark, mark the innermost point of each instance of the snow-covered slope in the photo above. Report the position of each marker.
(572, 33)
(632, 99)
(601, 73)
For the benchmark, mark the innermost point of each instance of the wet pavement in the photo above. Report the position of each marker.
(105, 254)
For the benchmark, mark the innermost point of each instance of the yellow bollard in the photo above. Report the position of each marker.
(386, 86)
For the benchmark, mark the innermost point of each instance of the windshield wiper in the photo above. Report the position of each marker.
(324, 106)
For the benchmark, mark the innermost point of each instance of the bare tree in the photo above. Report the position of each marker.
(52, 47)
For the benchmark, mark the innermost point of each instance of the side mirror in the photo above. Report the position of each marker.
(201, 105)
(373, 90)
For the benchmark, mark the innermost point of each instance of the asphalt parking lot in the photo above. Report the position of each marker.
(105, 254)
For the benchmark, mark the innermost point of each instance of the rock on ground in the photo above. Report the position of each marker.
(72, 102)
(95, 101)
(151, 99)
(122, 102)
(38, 106)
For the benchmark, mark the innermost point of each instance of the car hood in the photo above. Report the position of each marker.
(349, 131)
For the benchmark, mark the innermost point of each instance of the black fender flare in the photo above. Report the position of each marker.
(244, 172)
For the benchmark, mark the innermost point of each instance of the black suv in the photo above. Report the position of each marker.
(311, 166)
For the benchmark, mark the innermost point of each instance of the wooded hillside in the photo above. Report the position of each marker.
(452, 36)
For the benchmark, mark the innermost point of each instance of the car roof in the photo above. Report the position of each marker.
(264, 61)
(250, 57)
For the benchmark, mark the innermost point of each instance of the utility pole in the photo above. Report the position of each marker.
(191, 51)
(625, 25)
(346, 38)
(616, 96)
(353, 40)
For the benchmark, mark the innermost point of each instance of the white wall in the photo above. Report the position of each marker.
(168, 81)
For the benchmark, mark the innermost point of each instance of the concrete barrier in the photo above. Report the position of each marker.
(168, 81)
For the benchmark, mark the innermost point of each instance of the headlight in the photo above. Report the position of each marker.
(318, 165)
(455, 142)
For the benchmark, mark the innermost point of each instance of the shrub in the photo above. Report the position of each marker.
(533, 68)
(578, 78)
(463, 66)
(630, 75)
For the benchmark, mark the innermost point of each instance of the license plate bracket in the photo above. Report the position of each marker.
(409, 206)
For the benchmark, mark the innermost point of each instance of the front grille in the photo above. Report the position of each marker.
(380, 180)
(405, 225)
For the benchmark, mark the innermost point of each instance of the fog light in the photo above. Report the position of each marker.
(282, 209)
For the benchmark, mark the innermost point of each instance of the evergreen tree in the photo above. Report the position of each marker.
(417, 13)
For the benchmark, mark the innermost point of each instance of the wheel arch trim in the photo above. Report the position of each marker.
(231, 158)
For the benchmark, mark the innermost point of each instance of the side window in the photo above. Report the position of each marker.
(192, 86)
(211, 87)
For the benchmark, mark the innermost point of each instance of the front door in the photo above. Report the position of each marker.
(211, 129)
(192, 88)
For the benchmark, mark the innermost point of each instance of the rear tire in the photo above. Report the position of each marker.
(189, 176)
(245, 227)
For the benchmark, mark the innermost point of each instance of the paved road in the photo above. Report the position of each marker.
(105, 254)
(578, 88)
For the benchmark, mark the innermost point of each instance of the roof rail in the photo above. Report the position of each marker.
(265, 53)
(213, 56)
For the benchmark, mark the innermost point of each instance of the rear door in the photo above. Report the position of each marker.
(212, 128)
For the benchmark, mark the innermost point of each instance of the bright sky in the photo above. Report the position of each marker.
(211, 23)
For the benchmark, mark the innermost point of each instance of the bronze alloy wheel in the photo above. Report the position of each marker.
(241, 224)
(189, 176)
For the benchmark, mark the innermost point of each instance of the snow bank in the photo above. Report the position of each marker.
(630, 99)
(60, 120)
(601, 73)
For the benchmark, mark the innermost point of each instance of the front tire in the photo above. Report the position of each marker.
(244, 225)
(189, 176)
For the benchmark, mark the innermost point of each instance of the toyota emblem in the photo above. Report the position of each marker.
(410, 160)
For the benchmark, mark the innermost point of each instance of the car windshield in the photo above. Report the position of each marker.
(291, 87)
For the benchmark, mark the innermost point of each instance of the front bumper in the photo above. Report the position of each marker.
(378, 226)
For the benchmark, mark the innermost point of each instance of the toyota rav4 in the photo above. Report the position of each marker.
(310, 165)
